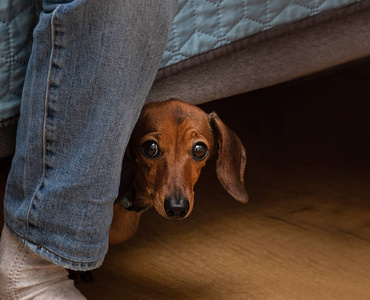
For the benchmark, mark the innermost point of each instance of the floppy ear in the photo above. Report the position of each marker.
(231, 159)
(127, 175)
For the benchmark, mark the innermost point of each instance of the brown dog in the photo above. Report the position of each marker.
(168, 148)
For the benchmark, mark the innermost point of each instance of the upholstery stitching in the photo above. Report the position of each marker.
(300, 5)
(264, 20)
(219, 26)
(267, 21)
(18, 13)
(10, 56)
(195, 29)
(16, 93)
(14, 60)
(29, 40)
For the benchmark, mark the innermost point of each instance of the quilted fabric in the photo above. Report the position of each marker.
(199, 27)
(17, 20)
(203, 25)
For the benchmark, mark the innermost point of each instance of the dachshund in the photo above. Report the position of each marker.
(170, 144)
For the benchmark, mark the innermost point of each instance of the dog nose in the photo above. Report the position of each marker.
(176, 208)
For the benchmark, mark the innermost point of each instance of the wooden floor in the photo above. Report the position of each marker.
(305, 234)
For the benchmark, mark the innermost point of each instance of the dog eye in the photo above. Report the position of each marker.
(150, 149)
(200, 151)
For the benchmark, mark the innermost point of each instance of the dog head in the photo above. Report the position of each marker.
(170, 144)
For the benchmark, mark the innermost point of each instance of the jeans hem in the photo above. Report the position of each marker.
(55, 258)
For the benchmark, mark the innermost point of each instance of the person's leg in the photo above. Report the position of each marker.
(91, 68)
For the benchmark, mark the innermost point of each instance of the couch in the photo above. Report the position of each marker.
(216, 48)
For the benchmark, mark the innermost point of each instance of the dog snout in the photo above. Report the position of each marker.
(176, 208)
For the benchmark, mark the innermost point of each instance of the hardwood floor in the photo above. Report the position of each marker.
(305, 233)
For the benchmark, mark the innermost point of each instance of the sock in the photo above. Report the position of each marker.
(25, 275)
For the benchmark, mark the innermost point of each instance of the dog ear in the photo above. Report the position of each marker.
(231, 159)
(127, 175)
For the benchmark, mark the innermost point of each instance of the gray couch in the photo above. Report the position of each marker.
(268, 56)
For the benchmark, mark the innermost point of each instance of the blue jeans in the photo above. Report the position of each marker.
(92, 65)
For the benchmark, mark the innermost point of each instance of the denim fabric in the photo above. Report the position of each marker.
(91, 68)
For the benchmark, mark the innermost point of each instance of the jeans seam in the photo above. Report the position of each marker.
(52, 24)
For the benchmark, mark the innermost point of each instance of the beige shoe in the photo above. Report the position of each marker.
(25, 275)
